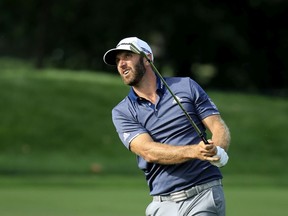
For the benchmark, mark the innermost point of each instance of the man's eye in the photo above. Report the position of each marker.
(128, 55)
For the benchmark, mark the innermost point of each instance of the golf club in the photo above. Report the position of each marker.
(139, 51)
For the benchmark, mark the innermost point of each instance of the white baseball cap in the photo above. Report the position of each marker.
(110, 56)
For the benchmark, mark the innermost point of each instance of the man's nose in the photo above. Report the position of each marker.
(122, 63)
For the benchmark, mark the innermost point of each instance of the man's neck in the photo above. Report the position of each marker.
(147, 87)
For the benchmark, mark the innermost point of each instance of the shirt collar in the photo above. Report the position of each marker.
(160, 90)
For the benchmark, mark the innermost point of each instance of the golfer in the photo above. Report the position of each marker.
(182, 172)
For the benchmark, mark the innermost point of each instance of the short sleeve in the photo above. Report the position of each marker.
(203, 104)
(126, 124)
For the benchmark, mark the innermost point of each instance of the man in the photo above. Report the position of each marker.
(182, 171)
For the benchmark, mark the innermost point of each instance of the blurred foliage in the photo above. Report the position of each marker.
(245, 42)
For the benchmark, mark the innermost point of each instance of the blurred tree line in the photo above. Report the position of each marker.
(222, 44)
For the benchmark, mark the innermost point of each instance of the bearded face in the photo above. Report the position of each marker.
(137, 73)
(132, 69)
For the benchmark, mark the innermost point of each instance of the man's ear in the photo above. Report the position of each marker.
(146, 61)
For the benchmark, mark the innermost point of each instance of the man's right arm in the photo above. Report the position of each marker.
(153, 152)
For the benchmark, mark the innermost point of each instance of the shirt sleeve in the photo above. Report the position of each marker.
(126, 124)
(203, 103)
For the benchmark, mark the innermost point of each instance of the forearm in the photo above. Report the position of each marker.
(166, 154)
(221, 135)
(154, 152)
(220, 131)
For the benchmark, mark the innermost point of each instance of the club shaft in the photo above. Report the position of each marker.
(199, 132)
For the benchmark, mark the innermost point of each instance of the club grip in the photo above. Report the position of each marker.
(204, 139)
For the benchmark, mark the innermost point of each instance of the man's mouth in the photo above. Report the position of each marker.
(126, 72)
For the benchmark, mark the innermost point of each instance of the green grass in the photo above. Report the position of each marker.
(55, 121)
(119, 195)
(81, 196)
(256, 201)
(258, 125)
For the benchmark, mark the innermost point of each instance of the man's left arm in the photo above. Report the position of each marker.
(220, 138)
(220, 132)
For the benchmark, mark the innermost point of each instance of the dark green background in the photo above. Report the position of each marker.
(244, 42)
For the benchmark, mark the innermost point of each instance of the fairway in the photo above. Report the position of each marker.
(71, 196)
(256, 201)
(117, 195)
(62, 201)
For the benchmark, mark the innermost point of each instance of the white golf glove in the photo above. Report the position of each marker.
(221, 153)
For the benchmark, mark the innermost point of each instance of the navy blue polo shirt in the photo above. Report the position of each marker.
(166, 123)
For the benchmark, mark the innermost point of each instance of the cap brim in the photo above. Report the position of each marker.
(110, 56)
